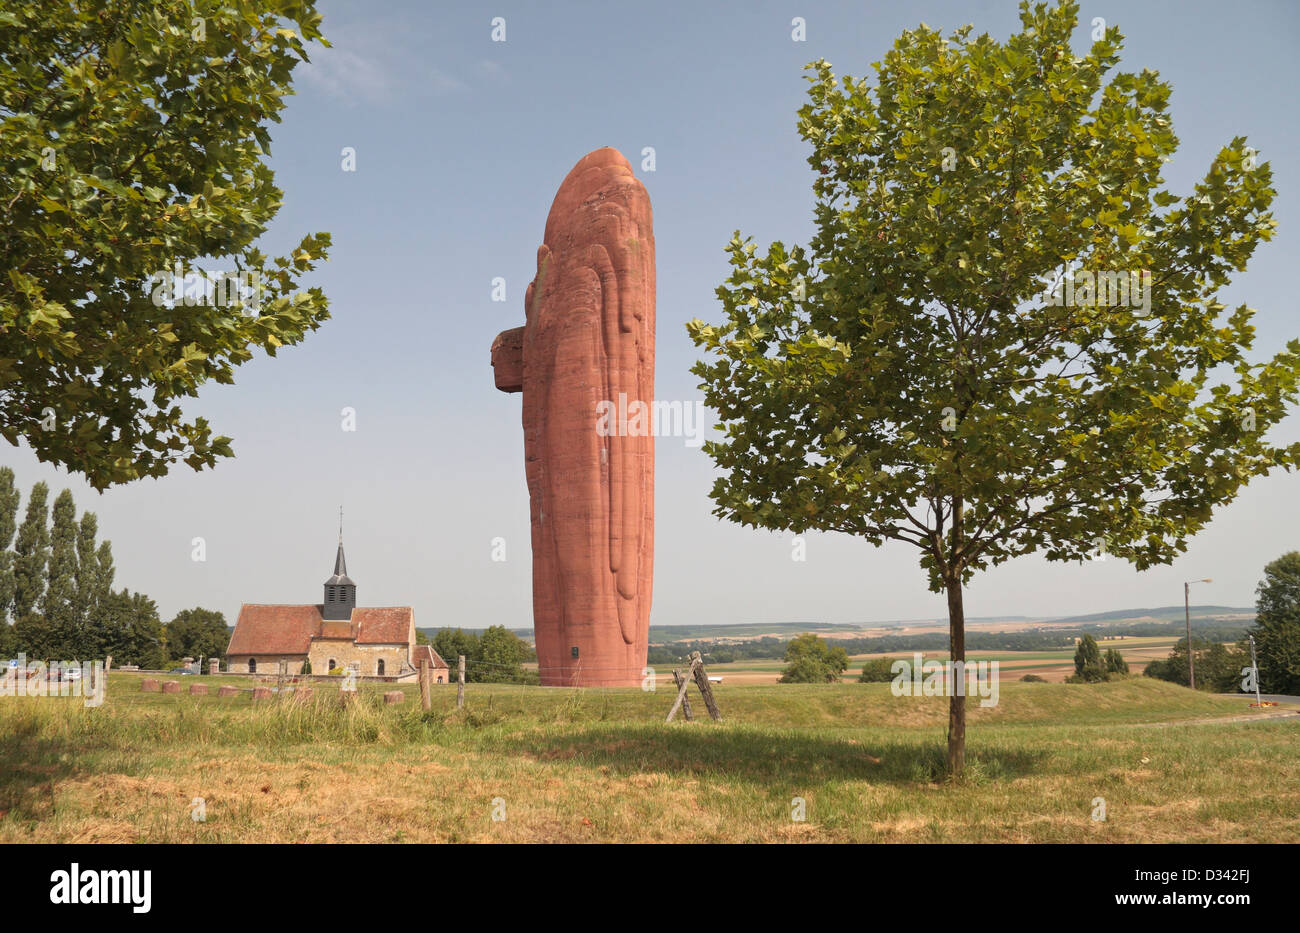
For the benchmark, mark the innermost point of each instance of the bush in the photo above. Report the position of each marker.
(876, 671)
(1033, 679)
(809, 660)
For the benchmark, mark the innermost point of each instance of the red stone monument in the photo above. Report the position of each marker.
(589, 338)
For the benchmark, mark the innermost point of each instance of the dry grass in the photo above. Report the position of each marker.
(571, 766)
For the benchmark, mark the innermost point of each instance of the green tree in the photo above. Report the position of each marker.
(1218, 668)
(134, 143)
(133, 632)
(36, 636)
(61, 573)
(500, 657)
(876, 671)
(31, 551)
(1277, 626)
(85, 597)
(451, 643)
(921, 373)
(198, 633)
(1088, 664)
(809, 660)
(104, 572)
(9, 498)
(1114, 662)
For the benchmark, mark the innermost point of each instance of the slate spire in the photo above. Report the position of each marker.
(340, 591)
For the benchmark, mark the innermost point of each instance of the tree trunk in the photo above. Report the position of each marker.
(957, 699)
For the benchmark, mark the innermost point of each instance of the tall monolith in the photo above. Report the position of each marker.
(584, 360)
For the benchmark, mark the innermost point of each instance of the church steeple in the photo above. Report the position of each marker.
(340, 591)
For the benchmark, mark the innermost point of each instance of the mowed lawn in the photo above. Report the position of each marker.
(601, 765)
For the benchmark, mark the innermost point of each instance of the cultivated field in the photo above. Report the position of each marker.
(1052, 665)
(600, 765)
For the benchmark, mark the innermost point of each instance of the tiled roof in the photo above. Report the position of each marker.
(390, 625)
(426, 651)
(336, 628)
(281, 629)
(270, 629)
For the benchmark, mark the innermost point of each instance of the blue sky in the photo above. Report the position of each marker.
(460, 145)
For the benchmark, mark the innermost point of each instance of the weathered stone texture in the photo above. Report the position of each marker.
(589, 338)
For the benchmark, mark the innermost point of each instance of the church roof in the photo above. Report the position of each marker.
(283, 629)
(426, 651)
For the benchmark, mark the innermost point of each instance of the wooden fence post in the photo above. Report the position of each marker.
(686, 701)
(706, 689)
(681, 692)
(426, 677)
(460, 683)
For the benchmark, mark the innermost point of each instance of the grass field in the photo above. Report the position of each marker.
(593, 765)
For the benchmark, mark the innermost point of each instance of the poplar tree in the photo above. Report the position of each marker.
(9, 498)
(85, 598)
(31, 551)
(57, 604)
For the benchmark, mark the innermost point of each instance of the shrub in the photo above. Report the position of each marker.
(876, 671)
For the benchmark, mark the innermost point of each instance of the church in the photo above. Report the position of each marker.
(334, 634)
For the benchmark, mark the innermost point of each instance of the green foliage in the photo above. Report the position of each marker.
(60, 581)
(197, 633)
(876, 671)
(500, 657)
(1088, 664)
(9, 498)
(451, 643)
(924, 291)
(1218, 668)
(1033, 679)
(1114, 662)
(133, 140)
(31, 551)
(912, 375)
(133, 632)
(809, 660)
(1277, 626)
(306, 668)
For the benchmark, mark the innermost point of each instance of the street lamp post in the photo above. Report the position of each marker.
(1187, 616)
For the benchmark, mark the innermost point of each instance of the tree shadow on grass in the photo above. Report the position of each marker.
(29, 770)
(761, 756)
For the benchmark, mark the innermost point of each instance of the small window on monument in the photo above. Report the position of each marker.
(574, 651)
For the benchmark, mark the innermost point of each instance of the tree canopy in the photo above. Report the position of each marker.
(1005, 335)
(133, 138)
(810, 660)
(1277, 626)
